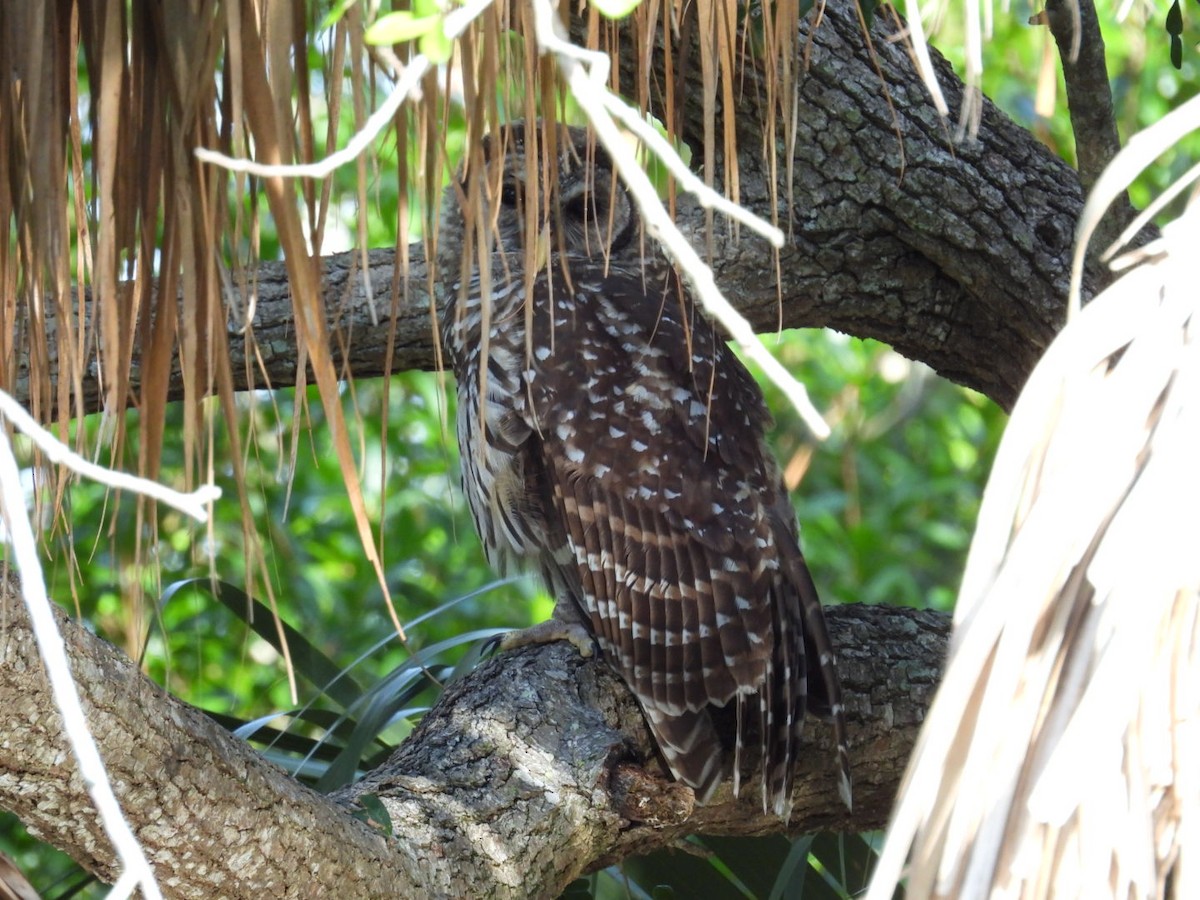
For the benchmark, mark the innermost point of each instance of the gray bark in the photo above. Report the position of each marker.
(530, 770)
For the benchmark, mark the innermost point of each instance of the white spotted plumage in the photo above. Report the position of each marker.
(616, 443)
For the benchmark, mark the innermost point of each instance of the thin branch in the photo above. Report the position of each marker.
(375, 124)
(1076, 31)
(454, 24)
(668, 156)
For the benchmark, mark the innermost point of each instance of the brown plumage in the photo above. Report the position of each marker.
(1061, 756)
(619, 449)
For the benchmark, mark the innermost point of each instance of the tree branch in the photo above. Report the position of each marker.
(527, 773)
(1076, 31)
(1089, 95)
(957, 254)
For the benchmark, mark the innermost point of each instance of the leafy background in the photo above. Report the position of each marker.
(886, 505)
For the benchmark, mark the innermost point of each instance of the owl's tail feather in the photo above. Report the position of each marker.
(802, 672)
(823, 684)
(691, 747)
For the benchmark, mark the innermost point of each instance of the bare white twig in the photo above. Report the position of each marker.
(136, 870)
(1157, 205)
(376, 122)
(688, 180)
(920, 48)
(410, 76)
(194, 504)
(586, 73)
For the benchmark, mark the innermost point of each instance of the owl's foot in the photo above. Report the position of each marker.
(547, 632)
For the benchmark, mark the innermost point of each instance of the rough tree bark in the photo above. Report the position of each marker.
(527, 772)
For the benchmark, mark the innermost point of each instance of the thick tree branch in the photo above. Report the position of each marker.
(954, 253)
(527, 773)
(200, 801)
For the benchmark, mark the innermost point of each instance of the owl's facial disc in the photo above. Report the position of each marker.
(582, 210)
(589, 216)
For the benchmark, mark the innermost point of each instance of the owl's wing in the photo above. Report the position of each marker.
(650, 437)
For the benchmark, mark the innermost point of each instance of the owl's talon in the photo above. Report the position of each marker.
(492, 645)
(545, 633)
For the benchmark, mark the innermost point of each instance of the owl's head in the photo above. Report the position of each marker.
(551, 185)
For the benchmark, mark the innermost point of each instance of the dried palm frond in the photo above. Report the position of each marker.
(129, 262)
(1059, 756)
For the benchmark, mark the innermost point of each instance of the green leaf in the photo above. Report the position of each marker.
(399, 27)
(847, 861)
(374, 813)
(426, 7)
(755, 861)
(790, 875)
(326, 675)
(1176, 52)
(436, 46)
(616, 9)
(868, 8)
(579, 889)
(673, 874)
(335, 13)
(1175, 22)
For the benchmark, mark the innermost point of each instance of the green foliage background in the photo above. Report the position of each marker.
(886, 506)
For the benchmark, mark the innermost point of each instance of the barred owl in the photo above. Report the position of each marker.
(611, 439)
